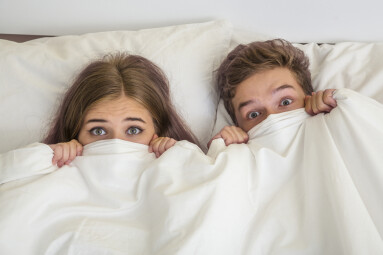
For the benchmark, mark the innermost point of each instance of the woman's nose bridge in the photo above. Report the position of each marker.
(117, 135)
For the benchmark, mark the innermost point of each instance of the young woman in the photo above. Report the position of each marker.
(119, 97)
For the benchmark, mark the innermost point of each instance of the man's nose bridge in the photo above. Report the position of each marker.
(269, 111)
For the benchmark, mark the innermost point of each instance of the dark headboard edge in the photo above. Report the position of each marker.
(20, 38)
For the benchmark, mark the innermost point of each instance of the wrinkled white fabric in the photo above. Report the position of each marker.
(302, 185)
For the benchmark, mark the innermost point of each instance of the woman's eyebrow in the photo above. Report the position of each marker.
(134, 119)
(126, 119)
(95, 120)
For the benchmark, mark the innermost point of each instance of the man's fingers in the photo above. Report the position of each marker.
(319, 102)
(215, 137)
(233, 134)
(227, 136)
(321, 105)
(328, 98)
(308, 107)
(314, 102)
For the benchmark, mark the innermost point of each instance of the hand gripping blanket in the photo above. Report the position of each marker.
(302, 185)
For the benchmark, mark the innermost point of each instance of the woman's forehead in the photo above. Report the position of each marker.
(118, 106)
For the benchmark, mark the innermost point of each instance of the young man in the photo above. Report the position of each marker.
(263, 78)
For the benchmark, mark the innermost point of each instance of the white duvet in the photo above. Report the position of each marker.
(302, 185)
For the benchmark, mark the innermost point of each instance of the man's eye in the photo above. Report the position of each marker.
(97, 131)
(133, 131)
(286, 102)
(253, 115)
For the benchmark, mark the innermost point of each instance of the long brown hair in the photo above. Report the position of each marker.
(113, 76)
(247, 60)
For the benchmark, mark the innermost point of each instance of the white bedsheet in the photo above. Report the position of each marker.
(302, 185)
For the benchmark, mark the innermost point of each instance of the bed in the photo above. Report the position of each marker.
(309, 185)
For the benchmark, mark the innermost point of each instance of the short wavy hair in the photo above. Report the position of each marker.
(247, 60)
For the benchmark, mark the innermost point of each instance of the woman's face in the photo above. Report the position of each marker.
(122, 118)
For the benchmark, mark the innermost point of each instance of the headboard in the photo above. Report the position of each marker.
(20, 38)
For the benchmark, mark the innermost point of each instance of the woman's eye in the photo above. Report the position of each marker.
(253, 115)
(286, 102)
(97, 131)
(133, 131)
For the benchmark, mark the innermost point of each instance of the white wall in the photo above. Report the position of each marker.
(295, 20)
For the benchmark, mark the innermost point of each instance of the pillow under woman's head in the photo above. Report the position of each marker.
(35, 74)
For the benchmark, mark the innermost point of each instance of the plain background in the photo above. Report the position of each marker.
(294, 20)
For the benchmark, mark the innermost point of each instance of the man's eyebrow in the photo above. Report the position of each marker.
(126, 119)
(285, 86)
(243, 104)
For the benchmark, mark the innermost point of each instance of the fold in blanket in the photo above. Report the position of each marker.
(302, 185)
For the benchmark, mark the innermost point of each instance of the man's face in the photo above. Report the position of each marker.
(268, 92)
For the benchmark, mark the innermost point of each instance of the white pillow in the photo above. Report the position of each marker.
(353, 65)
(35, 74)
